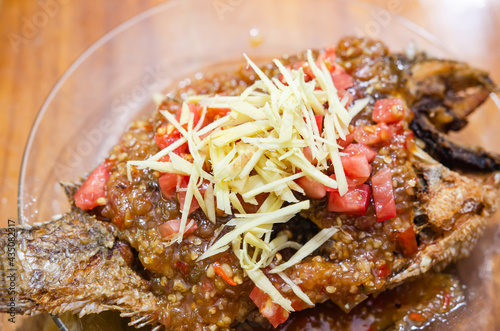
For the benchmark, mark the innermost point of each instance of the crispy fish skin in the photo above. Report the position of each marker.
(447, 91)
(72, 265)
(446, 202)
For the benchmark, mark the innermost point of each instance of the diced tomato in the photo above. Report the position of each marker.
(218, 112)
(259, 297)
(407, 241)
(355, 149)
(397, 128)
(270, 310)
(383, 271)
(388, 110)
(342, 81)
(299, 304)
(182, 184)
(348, 139)
(93, 188)
(214, 114)
(182, 198)
(167, 135)
(308, 74)
(372, 134)
(417, 317)
(328, 58)
(170, 228)
(319, 122)
(183, 267)
(355, 201)
(219, 271)
(193, 109)
(356, 166)
(308, 154)
(351, 182)
(312, 188)
(168, 183)
(383, 195)
(344, 93)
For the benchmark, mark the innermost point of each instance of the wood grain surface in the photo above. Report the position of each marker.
(40, 39)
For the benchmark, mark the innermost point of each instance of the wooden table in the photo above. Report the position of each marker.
(40, 39)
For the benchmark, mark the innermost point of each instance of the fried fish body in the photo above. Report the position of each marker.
(120, 260)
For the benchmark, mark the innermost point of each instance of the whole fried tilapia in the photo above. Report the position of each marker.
(85, 264)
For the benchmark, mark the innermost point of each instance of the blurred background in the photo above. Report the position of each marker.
(40, 39)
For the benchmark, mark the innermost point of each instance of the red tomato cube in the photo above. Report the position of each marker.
(164, 138)
(270, 310)
(388, 110)
(383, 195)
(168, 183)
(319, 122)
(93, 188)
(181, 195)
(351, 182)
(348, 139)
(193, 109)
(312, 188)
(342, 81)
(355, 149)
(354, 202)
(356, 166)
(372, 134)
(346, 94)
(328, 58)
(172, 227)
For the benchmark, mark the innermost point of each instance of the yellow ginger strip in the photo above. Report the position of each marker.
(318, 240)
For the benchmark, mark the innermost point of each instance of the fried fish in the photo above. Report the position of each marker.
(141, 241)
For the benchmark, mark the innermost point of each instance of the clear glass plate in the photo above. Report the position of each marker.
(114, 80)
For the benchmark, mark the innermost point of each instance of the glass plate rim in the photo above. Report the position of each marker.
(87, 53)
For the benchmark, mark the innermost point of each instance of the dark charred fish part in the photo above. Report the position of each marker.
(442, 94)
(451, 154)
